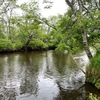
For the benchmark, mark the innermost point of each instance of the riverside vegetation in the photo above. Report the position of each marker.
(93, 71)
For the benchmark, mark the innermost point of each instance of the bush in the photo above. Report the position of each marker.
(62, 47)
(38, 44)
(18, 45)
(6, 44)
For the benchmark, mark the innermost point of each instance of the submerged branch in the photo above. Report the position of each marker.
(78, 65)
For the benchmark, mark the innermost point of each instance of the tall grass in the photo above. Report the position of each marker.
(95, 61)
(93, 71)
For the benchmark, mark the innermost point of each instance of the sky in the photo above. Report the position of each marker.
(58, 7)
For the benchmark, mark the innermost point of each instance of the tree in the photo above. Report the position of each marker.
(84, 10)
(28, 23)
(6, 12)
(80, 24)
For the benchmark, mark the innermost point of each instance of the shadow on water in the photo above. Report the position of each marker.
(42, 76)
(79, 94)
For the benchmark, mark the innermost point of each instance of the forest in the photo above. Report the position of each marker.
(76, 30)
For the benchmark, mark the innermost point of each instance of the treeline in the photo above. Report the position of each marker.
(27, 31)
(30, 31)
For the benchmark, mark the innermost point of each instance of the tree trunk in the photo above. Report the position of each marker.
(27, 42)
(85, 44)
(84, 34)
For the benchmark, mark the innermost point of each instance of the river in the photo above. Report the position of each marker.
(41, 75)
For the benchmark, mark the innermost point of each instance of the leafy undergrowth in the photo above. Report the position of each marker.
(93, 71)
(93, 97)
(95, 62)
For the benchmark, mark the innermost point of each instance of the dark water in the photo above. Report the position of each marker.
(42, 76)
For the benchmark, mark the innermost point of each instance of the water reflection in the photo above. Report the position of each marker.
(41, 76)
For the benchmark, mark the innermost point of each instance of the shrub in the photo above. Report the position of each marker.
(62, 47)
(36, 44)
(18, 45)
(6, 44)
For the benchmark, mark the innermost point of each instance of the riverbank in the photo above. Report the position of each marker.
(7, 46)
(22, 49)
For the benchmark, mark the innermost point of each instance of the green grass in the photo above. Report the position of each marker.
(93, 71)
(95, 61)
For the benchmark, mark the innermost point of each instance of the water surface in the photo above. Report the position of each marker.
(42, 76)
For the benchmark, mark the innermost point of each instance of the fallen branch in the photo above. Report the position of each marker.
(78, 65)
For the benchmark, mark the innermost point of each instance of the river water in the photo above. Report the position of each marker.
(43, 76)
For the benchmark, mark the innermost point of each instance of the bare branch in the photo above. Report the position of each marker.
(71, 5)
(86, 9)
(98, 7)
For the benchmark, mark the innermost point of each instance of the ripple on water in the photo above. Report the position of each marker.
(42, 76)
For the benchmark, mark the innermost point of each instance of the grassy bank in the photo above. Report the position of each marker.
(93, 71)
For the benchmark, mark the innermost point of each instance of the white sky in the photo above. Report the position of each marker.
(58, 7)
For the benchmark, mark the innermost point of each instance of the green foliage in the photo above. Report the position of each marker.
(62, 47)
(38, 44)
(93, 97)
(18, 45)
(97, 85)
(95, 62)
(6, 44)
